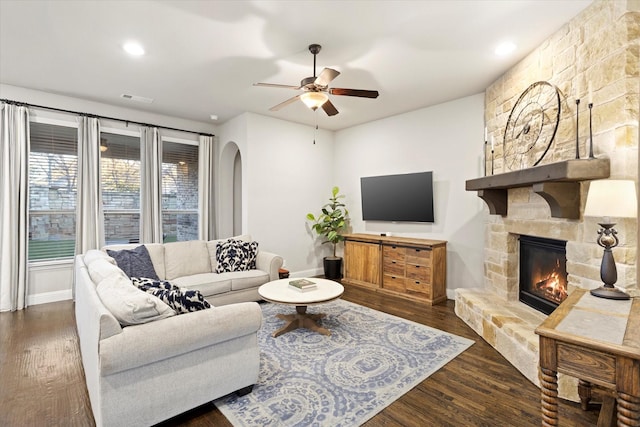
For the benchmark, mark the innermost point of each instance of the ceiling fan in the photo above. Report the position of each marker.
(316, 89)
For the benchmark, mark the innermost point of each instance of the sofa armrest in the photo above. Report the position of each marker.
(271, 263)
(162, 339)
(93, 321)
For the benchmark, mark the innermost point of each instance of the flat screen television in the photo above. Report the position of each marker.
(405, 197)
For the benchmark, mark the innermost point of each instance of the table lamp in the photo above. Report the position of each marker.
(610, 198)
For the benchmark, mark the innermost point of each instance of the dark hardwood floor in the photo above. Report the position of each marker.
(42, 381)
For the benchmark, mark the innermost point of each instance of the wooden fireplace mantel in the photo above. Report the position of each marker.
(557, 183)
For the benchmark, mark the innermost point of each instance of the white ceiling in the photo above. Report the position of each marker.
(202, 57)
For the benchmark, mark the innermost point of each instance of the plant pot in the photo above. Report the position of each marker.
(332, 267)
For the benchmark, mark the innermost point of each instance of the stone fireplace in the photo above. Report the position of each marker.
(543, 273)
(597, 48)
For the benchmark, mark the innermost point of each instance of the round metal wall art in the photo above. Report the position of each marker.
(531, 126)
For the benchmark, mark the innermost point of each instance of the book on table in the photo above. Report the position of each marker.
(303, 284)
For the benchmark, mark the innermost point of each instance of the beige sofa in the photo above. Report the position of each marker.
(164, 364)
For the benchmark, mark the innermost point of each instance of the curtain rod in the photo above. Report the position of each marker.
(26, 104)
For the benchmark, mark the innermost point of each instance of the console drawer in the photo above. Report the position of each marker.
(418, 256)
(417, 286)
(393, 266)
(394, 252)
(394, 283)
(418, 272)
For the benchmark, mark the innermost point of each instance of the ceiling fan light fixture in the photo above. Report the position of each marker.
(314, 100)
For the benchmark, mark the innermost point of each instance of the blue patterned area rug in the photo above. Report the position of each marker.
(308, 379)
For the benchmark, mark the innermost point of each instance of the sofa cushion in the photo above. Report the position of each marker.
(181, 300)
(246, 279)
(207, 283)
(235, 255)
(135, 262)
(130, 305)
(186, 258)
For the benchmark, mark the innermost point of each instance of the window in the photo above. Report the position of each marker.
(53, 172)
(179, 191)
(120, 179)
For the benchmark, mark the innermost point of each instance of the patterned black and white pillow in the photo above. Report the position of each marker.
(181, 300)
(236, 255)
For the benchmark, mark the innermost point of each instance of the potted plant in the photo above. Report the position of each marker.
(330, 224)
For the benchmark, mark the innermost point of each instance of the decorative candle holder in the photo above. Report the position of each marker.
(484, 158)
(492, 161)
(591, 156)
(577, 129)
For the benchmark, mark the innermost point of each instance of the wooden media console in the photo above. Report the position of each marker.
(407, 267)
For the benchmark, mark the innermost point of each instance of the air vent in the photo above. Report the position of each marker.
(136, 98)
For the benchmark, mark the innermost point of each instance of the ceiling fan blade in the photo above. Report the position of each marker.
(329, 108)
(354, 92)
(326, 76)
(285, 103)
(277, 85)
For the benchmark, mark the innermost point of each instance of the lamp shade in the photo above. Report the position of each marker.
(612, 198)
(314, 100)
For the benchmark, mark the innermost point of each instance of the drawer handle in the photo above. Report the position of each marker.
(393, 277)
(393, 262)
(417, 250)
(417, 266)
(417, 283)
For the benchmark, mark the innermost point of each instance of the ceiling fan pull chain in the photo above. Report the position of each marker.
(316, 127)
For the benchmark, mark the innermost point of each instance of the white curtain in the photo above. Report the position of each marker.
(14, 197)
(206, 179)
(89, 212)
(150, 186)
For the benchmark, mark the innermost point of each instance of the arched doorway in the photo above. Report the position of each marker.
(230, 190)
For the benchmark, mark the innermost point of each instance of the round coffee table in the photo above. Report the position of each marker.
(279, 292)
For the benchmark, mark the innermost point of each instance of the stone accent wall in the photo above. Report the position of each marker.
(601, 46)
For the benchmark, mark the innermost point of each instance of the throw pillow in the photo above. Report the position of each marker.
(96, 254)
(101, 268)
(236, 255)
(128, 304)
(181, 300)
(135, 262)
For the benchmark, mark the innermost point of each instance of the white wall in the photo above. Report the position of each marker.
(285, 176)
(446, 139)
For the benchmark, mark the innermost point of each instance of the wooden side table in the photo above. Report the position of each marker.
(597, 341)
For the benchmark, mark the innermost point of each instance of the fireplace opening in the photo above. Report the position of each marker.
(543, 272)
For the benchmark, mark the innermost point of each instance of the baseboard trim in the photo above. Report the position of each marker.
(451, 294)
(307, 273)
(47, 297)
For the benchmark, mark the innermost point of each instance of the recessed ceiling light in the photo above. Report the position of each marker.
(213, 117)
(133, 48)
(505, 48)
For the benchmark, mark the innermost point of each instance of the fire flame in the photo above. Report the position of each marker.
(553, 286)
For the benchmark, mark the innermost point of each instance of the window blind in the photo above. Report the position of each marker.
(53, 171)
(120, 179)
(179, 191)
